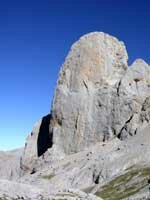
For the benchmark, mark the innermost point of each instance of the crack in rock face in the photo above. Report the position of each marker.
(97, 97)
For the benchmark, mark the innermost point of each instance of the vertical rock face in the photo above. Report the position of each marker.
(134, 89)
(37, 144)
(97, 97)
(85, 91)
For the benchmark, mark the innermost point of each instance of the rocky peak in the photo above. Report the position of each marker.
(136, 81)
(93, 66)
(96, 58)
(97, 97)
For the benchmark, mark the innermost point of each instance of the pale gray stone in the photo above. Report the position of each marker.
(86, 85)
(97, 97)
(10, 164)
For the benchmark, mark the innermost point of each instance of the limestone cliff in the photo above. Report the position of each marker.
(97, 97)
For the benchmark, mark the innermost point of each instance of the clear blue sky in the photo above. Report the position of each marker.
(35, 36)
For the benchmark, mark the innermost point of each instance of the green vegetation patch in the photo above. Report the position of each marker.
(48, 177)
(126, 185)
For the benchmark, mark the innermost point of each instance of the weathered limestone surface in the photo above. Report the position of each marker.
(30, 154)
(133, 91)
(10, 164)
(11, 190)
(97, 96)
(85, 89)
(101, 163)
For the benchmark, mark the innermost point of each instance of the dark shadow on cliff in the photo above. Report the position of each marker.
(45, 137)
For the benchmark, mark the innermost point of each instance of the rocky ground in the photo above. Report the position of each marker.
(95, 143)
